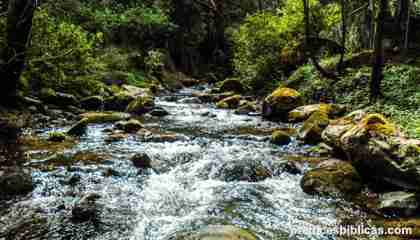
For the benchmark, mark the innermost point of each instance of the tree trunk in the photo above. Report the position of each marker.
(343, 36)
(19, 26)
(377, 75)
(308, 47)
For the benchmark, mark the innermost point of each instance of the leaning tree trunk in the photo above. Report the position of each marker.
(19, 26)
(377, 75)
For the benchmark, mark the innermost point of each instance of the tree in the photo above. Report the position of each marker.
(377, 75)
(19, 26)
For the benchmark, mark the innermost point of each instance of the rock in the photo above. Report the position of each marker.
(232, 85)
(86, 209)
(312, 128)
(249, 170)
(217, 232)
(279, 103)
(374, 147)
(135, 91)
(50, 96)
(402, 204)
(332, 177)
(141, 161)
(14, 181)
(95, 118)
(159, 112)
(141, 105)
(92, 103)
(229, 102)
(115, 137)
(189, 82)
(118, 102)
(57, 137)
(190, 100)
(280, 137)
(302, 113)
(246, 108)
(130, 126)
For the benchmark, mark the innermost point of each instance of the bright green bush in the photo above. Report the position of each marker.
(61, 56)
(265, 38)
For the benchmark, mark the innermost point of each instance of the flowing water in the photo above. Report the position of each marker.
(202, 179)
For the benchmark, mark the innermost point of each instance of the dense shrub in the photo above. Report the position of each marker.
(266, 41)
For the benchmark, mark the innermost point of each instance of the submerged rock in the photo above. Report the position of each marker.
(141, 161)
(279, 103)
(280, 137)
(332, 177)
(14, 181)
(86, 209)
(218, 232)
(159, 112)
(249, 170)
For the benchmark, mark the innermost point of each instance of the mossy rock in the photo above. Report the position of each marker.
(378, 124)
(50, 96)
(229, 102)
(95, 118)
(57, 137)
(312, 128)
(280, 137)
(279, 103)
(246, 107)
(118, 102)
(302, 113)
(232, 85)
(218, 232)
(141, 105)
(332, 177)
(130, 126)
(92, 103)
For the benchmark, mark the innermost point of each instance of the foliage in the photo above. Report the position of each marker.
(265, 38)
(401, 89)
(62, 55)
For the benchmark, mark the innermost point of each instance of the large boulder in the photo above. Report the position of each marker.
(302, 113)
(376, 149)
(279, 103)
(141, 105)
(312, 128)
(332, 177)
(233, 85)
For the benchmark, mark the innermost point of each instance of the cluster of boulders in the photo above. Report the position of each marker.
(373, 153)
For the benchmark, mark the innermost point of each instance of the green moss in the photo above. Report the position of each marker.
(280, 137)
(229, 102)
